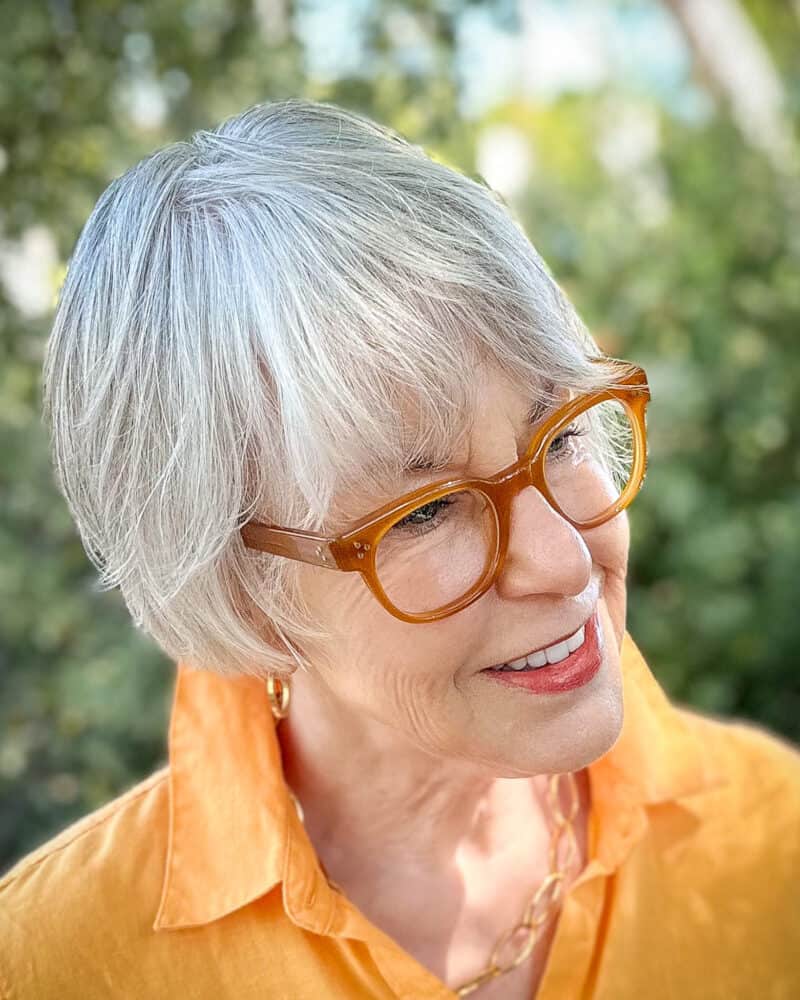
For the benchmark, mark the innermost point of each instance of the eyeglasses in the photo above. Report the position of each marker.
(436, 550)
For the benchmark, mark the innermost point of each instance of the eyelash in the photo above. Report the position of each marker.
(420, 529)
(570, 432)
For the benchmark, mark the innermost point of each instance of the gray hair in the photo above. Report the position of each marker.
(244, 317)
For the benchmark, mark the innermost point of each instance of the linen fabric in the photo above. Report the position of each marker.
(200, 882)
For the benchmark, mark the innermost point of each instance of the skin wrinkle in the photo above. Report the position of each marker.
(422, 779)
(422, 470)
(244, 303)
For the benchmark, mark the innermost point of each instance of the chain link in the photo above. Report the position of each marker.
(550, 890)
(528, 928)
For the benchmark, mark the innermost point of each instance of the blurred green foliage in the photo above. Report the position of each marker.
(686, 262)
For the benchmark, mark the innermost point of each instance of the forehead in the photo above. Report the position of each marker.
(499, 395)
(495, 409)
(496, 398)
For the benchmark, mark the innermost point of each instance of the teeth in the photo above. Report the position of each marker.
(575, 641)
(557, 653)
(551, 654)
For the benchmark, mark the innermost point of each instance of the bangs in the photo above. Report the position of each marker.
(368, 329)
(287, 309)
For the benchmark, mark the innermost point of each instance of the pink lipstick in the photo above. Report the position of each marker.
(577, 669)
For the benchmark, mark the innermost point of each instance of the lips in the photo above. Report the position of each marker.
(553, 652)
(572, 673)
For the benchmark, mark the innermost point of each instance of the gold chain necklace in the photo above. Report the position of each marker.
(527, 930)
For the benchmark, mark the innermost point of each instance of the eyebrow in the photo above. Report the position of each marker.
(423, 463)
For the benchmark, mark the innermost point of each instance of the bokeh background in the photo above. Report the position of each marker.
(650, 150)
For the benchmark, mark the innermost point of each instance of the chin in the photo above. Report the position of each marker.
(521, 734)
(593, 723)
(568, 736)
(596, 738)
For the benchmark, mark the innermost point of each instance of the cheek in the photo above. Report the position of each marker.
(609, 545)
(392, 670)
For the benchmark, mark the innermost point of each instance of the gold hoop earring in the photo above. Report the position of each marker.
(279, 693)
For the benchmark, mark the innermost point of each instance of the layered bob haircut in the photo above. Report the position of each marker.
(247, 321)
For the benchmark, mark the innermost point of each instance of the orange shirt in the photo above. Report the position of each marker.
(200, 882)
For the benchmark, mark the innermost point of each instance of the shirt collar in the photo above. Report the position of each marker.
(234, 834)
(661, 758)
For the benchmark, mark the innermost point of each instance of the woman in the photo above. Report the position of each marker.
(322, 413)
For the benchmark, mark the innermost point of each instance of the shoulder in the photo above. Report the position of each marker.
(112, 826)
(761, 769)
(750, 821)
(713, 882)
(87, 889)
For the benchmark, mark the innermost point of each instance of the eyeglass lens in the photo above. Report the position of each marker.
(439, 552)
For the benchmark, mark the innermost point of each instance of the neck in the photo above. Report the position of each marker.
(375, 803)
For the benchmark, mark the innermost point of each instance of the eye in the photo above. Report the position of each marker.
(559, 446)
(424, 518)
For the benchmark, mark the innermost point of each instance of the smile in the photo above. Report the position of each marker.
(550, 654)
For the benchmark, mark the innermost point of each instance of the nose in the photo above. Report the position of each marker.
(546, 554)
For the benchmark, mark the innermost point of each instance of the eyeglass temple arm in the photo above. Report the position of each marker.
(317, 549)
(307, 546)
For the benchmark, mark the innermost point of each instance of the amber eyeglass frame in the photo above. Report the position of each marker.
(354, 550)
